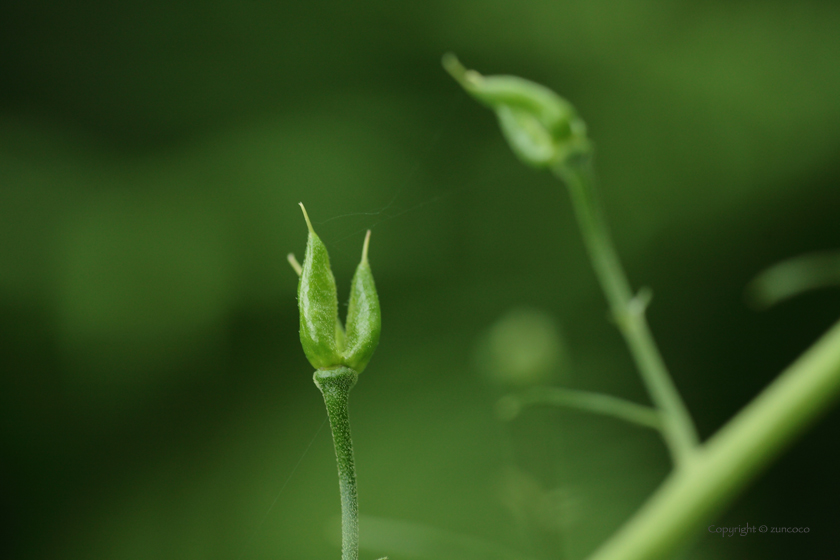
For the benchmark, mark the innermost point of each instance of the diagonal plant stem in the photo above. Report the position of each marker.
(587, 401)
(628, 311)
(691, 496)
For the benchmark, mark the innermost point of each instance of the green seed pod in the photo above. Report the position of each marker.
(541, 127)
(318, 303)
(324, 340)
(364, 321)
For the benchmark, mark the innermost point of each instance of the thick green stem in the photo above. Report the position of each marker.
(627, 310)
(691, 496)
(335, 385)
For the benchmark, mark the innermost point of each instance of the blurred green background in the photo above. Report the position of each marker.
(153, 394)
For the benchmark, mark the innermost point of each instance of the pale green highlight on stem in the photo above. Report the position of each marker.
(693, 494)
(510, 406)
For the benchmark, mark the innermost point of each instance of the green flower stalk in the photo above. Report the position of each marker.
(545, 132)
(338, 356)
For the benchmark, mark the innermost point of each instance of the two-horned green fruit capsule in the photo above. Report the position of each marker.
(541, 127)
(325, 342)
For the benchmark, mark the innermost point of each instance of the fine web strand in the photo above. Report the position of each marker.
(390, 210)
(425, 156)
(280, 492)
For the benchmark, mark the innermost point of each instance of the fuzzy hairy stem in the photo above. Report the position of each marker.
(335, 385)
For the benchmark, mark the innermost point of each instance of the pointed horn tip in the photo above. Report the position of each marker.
(295, 264)
(306, 217)
(452, 65)
(449, 60)
(467, 78)
(365, 247)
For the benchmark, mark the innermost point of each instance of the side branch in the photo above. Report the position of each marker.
(627, 310)
(596, 403)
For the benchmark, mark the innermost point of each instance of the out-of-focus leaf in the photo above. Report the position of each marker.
(793, 277)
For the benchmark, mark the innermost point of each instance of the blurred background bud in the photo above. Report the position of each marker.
(541, 127)
(523, 347)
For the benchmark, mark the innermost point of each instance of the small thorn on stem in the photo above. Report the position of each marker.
(306, 217)
(295, 264)
(640, 301)
(365, 247)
